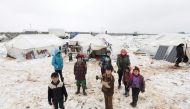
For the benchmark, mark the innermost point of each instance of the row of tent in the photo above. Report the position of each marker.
(33, 46)
(168, 53)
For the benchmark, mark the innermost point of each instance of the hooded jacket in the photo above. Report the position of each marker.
(56, 91)
(57, 60)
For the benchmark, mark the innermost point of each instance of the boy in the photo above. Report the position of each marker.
(126, 77)
(108, 87)
(137, 84)
(57, 62)
(56, 92)
(80, 70)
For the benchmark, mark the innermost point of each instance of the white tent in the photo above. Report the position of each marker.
(85, 40)
(2, 37)
(39, 45)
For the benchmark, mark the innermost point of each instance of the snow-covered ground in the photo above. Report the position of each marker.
(24, 83)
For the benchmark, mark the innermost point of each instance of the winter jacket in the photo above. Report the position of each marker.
(56, 91)
(57, 60)
(105, 61)
(80, 70)
(110, 80)
(141, 82)
(126, 78)
(179, 50)
(123, 62)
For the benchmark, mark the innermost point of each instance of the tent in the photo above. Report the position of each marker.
(87, 40)
(2, 37)
(32, 46)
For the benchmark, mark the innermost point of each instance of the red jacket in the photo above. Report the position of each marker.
(80, 70)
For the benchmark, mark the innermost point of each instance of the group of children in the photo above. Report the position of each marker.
(57, 93)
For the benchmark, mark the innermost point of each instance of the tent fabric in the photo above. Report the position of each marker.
(161, 52)
(172, 55)
(40, 44)
(34, 41)
(85, 40)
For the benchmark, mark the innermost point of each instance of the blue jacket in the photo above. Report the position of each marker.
(57, 60)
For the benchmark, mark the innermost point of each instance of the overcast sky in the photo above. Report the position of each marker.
(152, 16)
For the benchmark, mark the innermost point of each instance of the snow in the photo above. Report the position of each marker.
(24, 83)
(2, 37)
(34, 41)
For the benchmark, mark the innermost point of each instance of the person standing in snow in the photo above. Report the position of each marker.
(108, 87)
(180, 54)
(57, 93)
(123, 62)
(89, 49)
(126, 79)
(137, 84)
(80, 70)
(57, 62)
(105, 61)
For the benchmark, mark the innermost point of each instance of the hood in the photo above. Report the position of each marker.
(180, 45)
(56, 51)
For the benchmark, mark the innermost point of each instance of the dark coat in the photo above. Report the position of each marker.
(123, 62)
(105, 61)
(80, 70)
(110, 80)
(179, 50)
(56, 91)
(141, 82)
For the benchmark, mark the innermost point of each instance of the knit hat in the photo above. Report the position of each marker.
(124, 51)
(136, 68)
(79, 56)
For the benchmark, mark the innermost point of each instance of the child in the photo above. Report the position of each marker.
(57, 62)
(126, 77)
(108, 87)
(137, 84)
(56, 92)
(80, 70)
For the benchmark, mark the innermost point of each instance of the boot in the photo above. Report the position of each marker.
(84, 92)
(126, 93)
(78, 90)
(176, 65)
(133, 104)
(119, 86)
(62, 79)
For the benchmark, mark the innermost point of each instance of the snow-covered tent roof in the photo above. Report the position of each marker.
(167, 39)
(2, 37)
(34, 41)
(86, 39)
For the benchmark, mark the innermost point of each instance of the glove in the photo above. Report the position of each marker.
(50, 103)
(65, 99)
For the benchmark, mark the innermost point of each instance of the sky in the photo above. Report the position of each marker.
(145, 16)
